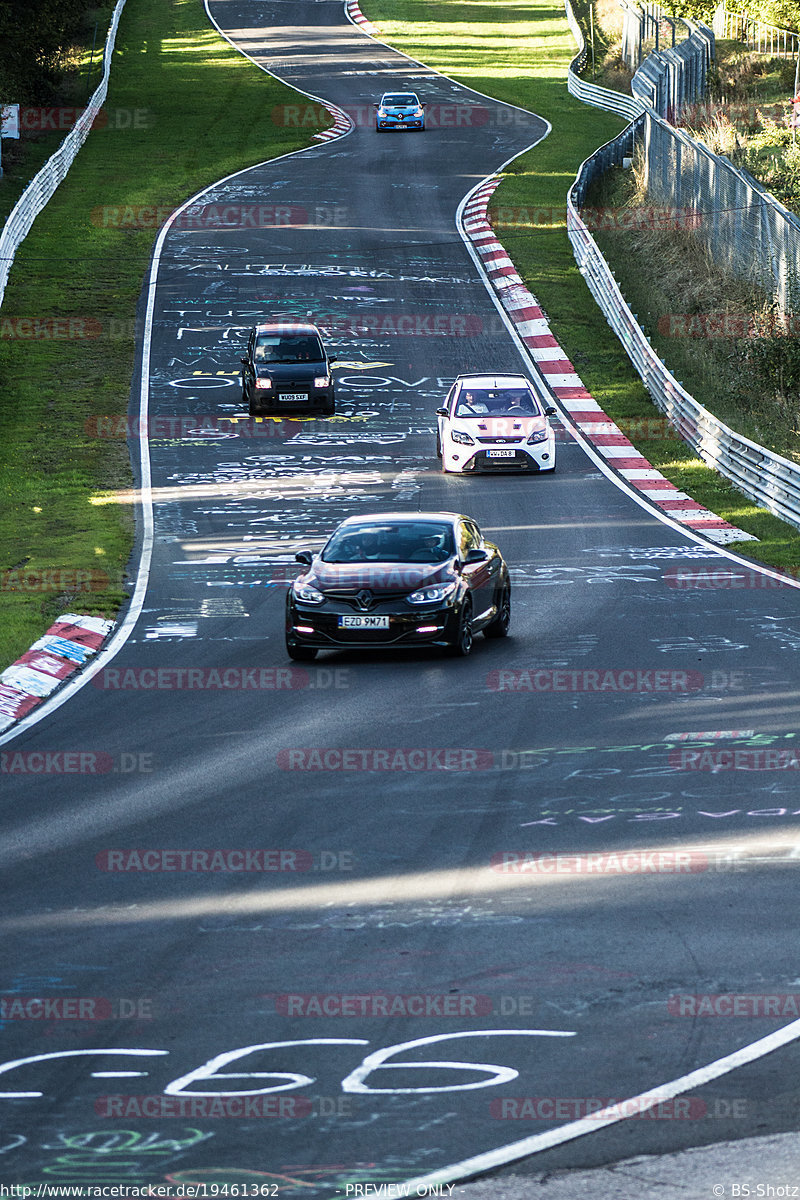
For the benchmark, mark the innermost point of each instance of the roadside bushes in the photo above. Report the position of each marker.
(34, 35)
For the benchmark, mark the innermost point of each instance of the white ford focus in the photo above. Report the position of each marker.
(495, 422)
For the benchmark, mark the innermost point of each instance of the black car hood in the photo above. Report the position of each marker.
(293, 370)
(378, 577)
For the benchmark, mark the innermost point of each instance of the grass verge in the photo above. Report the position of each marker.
(520, 53)
(208, 112)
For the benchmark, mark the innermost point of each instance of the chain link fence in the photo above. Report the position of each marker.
(739, 218)
(742, 226)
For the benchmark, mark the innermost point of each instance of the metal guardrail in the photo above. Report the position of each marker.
(767, 478)
(599, 97)
(47, 179)
(669, 79)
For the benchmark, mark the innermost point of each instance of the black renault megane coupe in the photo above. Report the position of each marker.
(390, 580)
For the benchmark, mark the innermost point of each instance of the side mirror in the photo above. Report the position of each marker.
(244, 361)
(550, 411)
(332, 358)
(476, 556)
(305, 557)
(441, 412)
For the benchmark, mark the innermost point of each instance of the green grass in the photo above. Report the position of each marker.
(208, 113)
(520, 52)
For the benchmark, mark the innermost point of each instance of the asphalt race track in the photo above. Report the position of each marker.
(385, 985)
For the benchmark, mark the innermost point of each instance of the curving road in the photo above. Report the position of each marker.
(419, 913)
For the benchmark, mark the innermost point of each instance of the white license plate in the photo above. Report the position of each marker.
(294, 396)
(375, 622)
(501, 453)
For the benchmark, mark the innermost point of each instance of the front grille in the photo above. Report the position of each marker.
(348, 596)
(500, 441)
(518, 462)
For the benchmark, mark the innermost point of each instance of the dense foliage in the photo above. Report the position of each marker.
(783, 13)
(33, 36)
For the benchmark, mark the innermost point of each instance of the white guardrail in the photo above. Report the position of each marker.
(47, 179)
(772, 481)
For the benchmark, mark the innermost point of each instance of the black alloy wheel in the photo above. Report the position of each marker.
(498, 626)
(462, 645)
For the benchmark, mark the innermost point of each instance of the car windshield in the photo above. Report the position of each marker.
(499, 402)
(288, 347)
(400, 101)
(398, 541)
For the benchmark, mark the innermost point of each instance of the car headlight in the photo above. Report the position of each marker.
(540, 435)
(381, 112)
(307, 593)
(463, 439)
(322, 381)
(263, 382)
(432, 595)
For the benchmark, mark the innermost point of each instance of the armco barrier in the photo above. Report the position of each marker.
(767, 478)
(628, 107)
(45, 182)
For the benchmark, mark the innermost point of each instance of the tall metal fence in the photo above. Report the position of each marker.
(669, 79)
(756, 35)
(646, 27)
(771, 480)
(743, 227)
(45, 182)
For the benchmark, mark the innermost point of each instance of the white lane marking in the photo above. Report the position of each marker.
(538, 1142)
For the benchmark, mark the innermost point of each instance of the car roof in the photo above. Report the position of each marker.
(286, 327)
(449, 517)
(494, 381)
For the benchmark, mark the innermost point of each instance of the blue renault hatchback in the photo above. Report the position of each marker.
(400, 110)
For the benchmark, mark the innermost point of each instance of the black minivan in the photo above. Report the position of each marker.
(287, 369)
